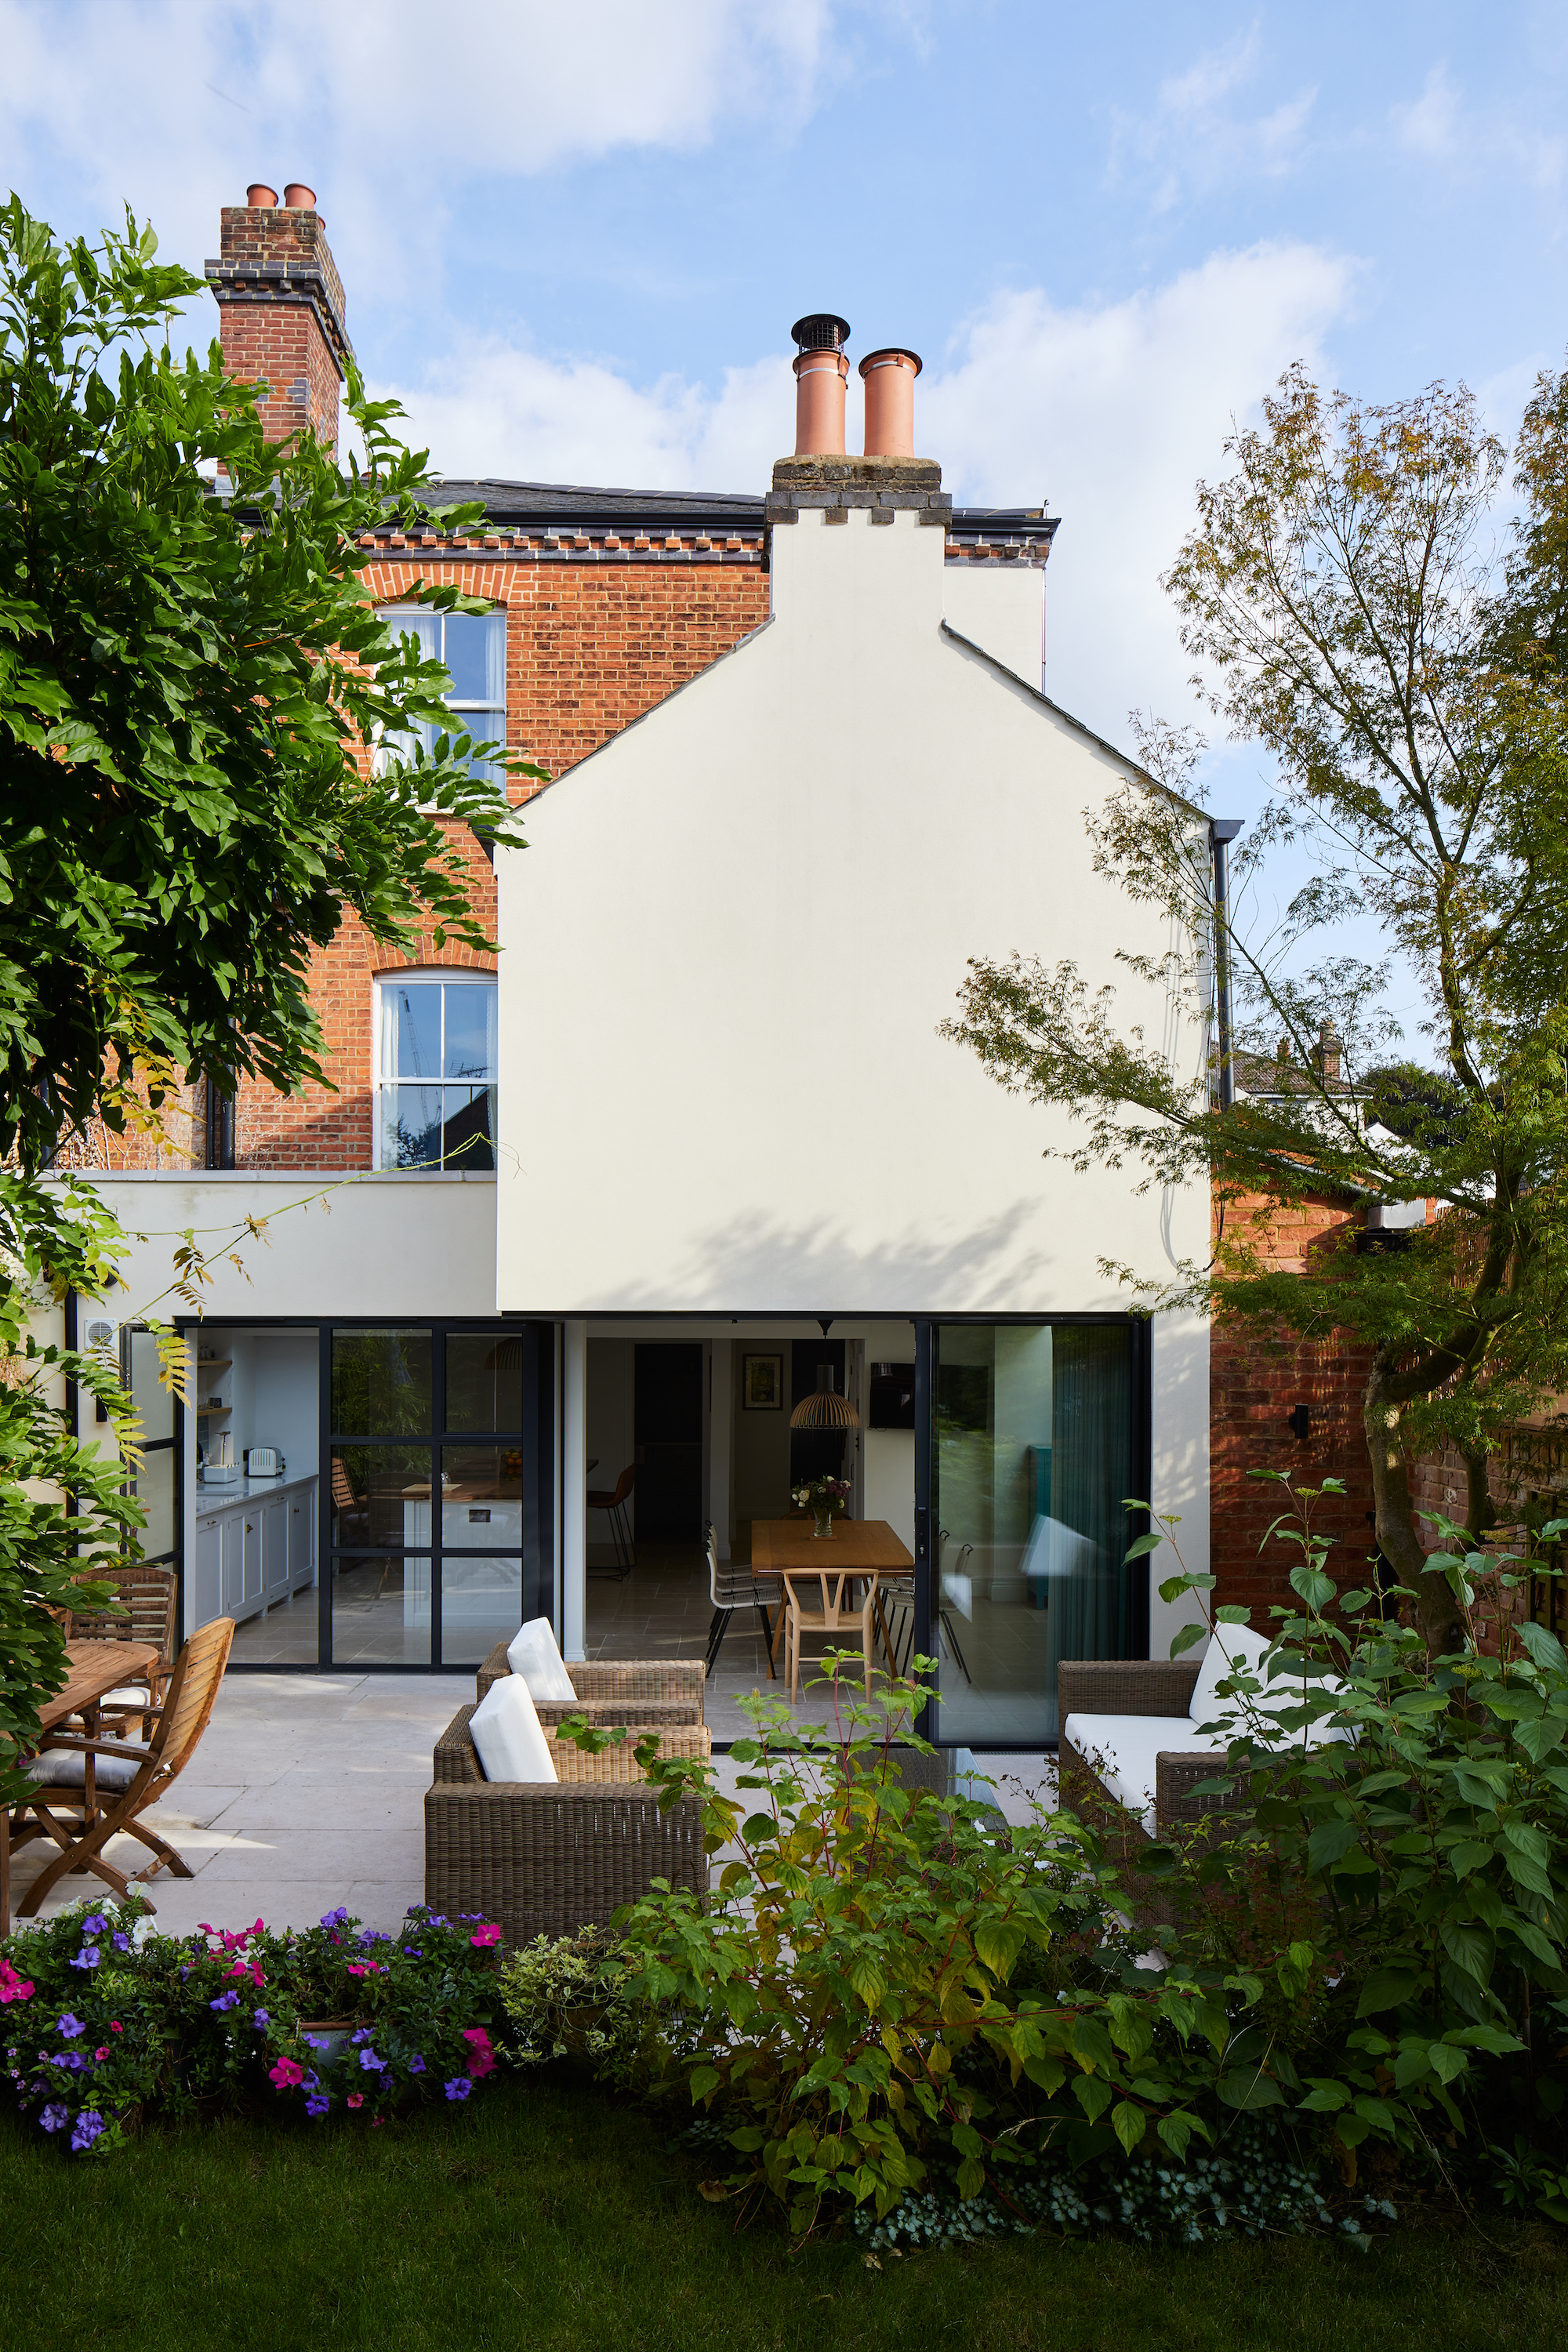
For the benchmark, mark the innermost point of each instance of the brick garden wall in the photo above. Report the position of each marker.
(1255, 1382)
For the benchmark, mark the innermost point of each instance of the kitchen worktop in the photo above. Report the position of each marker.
(249, 1490)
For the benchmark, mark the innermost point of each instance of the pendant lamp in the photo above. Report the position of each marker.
(824, 1408)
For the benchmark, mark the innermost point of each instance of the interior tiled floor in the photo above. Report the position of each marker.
(663, 1609)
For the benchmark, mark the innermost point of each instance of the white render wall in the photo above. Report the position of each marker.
(728, 948)
(401, 1245)
(1002, 607)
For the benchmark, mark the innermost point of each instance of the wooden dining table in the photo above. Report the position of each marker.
(95, 1668)
(858, 1548)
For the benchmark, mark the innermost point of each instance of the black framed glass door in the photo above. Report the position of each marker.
(1031, 1436)
(438, 1443)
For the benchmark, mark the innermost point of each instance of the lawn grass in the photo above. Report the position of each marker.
(543, 2217)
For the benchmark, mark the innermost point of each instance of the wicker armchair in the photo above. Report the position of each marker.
(543, 1859)
(655, 1691)
(1142, 1687)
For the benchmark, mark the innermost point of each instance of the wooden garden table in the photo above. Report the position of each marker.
(786, 1547)
(96, 1669)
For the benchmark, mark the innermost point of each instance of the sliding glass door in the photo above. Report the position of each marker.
(1034, 1436)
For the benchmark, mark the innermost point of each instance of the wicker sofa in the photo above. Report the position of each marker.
(648, 1692)
(1094, 1695)
(545, 1858)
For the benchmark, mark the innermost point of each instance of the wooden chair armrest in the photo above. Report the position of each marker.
(93, 1747)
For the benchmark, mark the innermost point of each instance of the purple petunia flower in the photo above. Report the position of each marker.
(412, 1952)
(87, 1958)
(74, 2062)
(68, 2026)
(225, 2001)
(89, 2125)
(262, 2021)
(459, 2087)
(95, 1926)
(122, 1943)
(417, 2064)
(55, 2117)
(318, 2104)
(371, 2062)
(317, 2041)
(334, 1918)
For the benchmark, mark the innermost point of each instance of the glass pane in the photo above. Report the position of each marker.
(154, 1402)
(470, 1030)
(416, 621)
(481, 1495)
(155, 1492)
(468, 1130)
(484, 1379)
(410, 1127)
(381, 1611)
(381, 1496)
(381, 1383)
(482, 1604)
(1032, 1458)
(475, 656)
(410, 1029)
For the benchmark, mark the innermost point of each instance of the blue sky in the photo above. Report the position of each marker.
(573, 240)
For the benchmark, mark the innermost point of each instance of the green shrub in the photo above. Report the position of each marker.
(104, 2022)
(1419, 1868)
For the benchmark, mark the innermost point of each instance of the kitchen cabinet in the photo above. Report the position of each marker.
(255, 1545)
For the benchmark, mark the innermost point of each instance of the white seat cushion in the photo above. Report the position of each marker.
(532, 1653)
(66, 1768)
(1123, 1747)
(1232, 1650)
(508, 1737)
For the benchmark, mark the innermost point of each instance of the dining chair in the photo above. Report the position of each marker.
(838, 1614)
(141, 1609)
(737, 1588)
(612, 1502)
(128, 1776)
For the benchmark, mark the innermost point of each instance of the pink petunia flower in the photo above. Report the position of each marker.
(286, 2073)
(490, 1935)
(482, 2057)
(356, 2098)
(12, 1986)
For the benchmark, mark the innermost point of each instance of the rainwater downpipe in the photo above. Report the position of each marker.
(1223, 831)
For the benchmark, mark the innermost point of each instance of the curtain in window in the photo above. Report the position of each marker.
(1090, 1608)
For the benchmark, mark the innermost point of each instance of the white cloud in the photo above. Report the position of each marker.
(381, 105)
(1195, 140)
(1427, 124)
(1115, 408)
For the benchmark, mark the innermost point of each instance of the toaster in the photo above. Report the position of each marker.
(263, 1462)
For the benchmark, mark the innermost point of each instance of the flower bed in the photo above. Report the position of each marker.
(105, 2024)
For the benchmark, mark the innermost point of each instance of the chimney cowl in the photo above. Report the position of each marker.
(260, 197)
(889, 376)
(819, 331)
(298, 197)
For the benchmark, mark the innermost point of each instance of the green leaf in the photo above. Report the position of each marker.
(703, 2081)
(1545, 1650)
(1470, 1949)
(1470, 1853)
(1128, 2123)
(1094, 2094)
(1247, 2089)
(1187, 1637)
(1385, 1989)
(1328, 1843)
(1540, 1738)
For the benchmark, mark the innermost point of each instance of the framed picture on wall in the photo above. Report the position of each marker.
(762, 1383)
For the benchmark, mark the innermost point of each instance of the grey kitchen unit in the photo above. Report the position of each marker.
(255, 1543)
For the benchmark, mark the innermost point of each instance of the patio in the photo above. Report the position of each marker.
(307, 1791)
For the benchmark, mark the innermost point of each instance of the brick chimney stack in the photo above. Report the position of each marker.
(280, 309)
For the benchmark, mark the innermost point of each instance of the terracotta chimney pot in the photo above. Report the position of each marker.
(298, 197)
(259, 196)
(821, 373)
(890, 380)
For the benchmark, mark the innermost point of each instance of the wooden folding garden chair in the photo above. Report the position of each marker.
(143, 1610)
(81, 1812)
